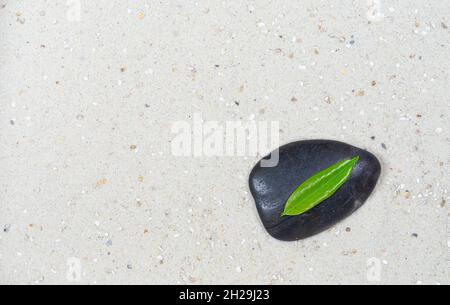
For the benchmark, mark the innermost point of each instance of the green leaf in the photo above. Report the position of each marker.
(319, 188)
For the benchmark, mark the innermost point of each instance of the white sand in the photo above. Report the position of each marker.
(81, 204)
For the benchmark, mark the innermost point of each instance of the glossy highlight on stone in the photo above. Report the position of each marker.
(271, 187)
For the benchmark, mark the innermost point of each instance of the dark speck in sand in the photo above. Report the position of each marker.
(384, 146)
(6, 228)
(415, 235)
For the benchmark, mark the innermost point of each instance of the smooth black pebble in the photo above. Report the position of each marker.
(271, 187)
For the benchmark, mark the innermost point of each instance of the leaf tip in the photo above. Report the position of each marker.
(356, 159)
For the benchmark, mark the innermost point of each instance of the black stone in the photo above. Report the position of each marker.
(272, 187)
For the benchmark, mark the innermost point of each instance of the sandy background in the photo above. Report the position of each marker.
(90, 192)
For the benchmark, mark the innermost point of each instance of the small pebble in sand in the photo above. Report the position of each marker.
(406, 194)
(6, 228)
(383, 146)
(160, 259)
(101, 182)
(415, 235)
(20, 19)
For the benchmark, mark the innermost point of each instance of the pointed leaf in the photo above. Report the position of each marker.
(319, 188)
